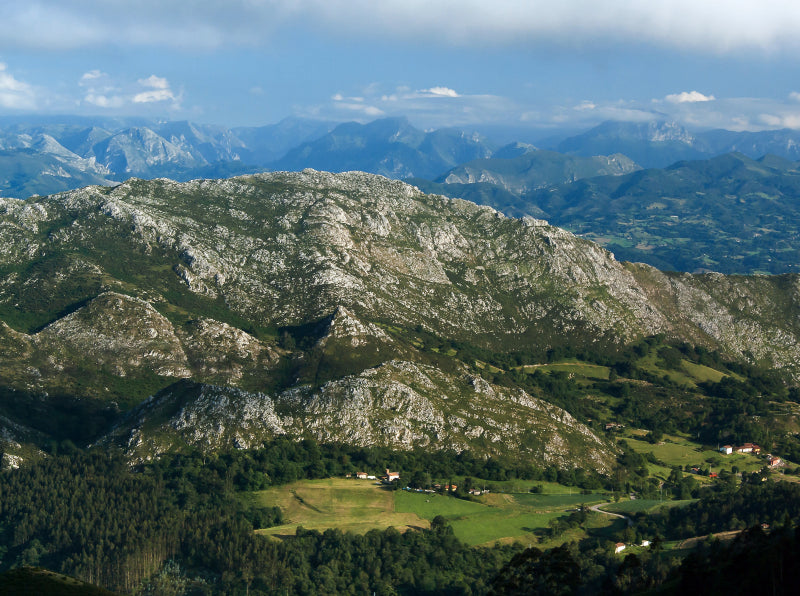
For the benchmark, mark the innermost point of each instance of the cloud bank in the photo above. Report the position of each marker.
(711, 25)
(15, 94)
(102, 92)
(688, 97)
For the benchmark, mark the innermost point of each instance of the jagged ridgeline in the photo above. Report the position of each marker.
(221, 313)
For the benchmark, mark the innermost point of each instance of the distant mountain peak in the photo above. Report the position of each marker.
(656, 131)
(514, 150)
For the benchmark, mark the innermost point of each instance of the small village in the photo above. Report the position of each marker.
(389, 478)
(773, 461)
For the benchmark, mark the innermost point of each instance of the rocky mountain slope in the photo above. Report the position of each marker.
(55, 156)
(537, 169)
(63, 154)
(289, 303)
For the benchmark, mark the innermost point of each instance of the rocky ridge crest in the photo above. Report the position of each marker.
(151, 282)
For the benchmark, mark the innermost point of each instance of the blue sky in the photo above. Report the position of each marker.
(705, 63)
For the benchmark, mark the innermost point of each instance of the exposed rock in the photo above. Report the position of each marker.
(343, 325)
(147, 272)
(399, 404)
(10, 462)
(119, 332)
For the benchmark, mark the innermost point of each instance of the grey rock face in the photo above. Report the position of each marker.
(192, 280)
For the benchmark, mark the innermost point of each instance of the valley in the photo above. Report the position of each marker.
(242, 345)
(305, 298)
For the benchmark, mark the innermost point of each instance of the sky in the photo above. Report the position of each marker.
(532, 64)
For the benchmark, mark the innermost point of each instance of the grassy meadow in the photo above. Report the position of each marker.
(675, 450)
(348, 504)
(359, 506)
(644, 505)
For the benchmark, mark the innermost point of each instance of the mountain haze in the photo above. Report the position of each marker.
(391, 147)
(660, 143)
(730, 213)
(503, 182)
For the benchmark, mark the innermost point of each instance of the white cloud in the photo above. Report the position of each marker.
(103, 92)
(428, 111)
(710, 25)
(589, 113)
(154, 82)
(365, 109)
(104, 101)
(441, 92)
(794, 95)
(92, 75)
(688, 97)
(153, 95)
(159, 90)
(424, 107)
(781, 121)
(15, 94)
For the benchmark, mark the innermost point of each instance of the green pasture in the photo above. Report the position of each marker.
(348, 504)
(701, 373)
(649, 363)
(680, 451)
(556, 501)
(496, 517)
(573, 367)
(519, 486)
(689, 374)
(359, 506)
(644, 505)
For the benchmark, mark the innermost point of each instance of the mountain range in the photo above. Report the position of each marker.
(157, 315)
(730, 213)
(55, 154)
(391, 147)
(657, 144)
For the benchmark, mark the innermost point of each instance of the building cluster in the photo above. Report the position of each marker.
(390, 477)
(745, 448)
(620, 546)
(773, 461)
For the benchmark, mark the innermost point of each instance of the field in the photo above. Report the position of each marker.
(580, 370)
(359, 506)
(558, 501)
(644, 505)
(680, 451)
(495, 517)
(351, 505)
(688, 375)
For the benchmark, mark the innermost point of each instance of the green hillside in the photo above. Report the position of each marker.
(730, 214)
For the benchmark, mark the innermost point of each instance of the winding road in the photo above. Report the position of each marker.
(598, 510)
